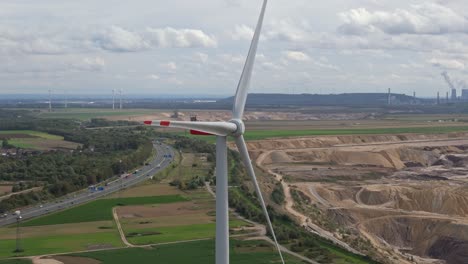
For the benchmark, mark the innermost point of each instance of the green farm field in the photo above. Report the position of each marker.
(247, 252)
(99, 210)
(88, 113)
(42, 135)
(267, 134)
(176, 233)
(35, 140)
(47, 244)
(15, 261)
(256, 134)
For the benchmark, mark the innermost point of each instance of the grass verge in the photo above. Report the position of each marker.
(175, 233)
(60, 244)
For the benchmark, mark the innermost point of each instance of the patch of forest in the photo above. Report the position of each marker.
(63, 172)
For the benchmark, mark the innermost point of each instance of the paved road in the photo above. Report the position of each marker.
(157, 164)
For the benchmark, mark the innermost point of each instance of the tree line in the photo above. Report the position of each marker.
(103, 154)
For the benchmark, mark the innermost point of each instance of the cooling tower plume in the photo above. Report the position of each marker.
(448, 80)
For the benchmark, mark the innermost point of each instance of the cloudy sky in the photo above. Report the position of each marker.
(198, 47)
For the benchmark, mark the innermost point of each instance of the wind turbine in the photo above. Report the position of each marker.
(234, 128)
(120, 98)
(113, 99)
(50, 100)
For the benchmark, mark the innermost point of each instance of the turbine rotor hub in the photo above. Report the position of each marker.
(240, 127)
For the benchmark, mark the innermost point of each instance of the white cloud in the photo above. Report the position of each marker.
(242, 32)
(153, 77)
(230, 58)
(201, 57)
(286, 30)
(271, 66)
(180, 38)
(170, 67)
(120, 40)
(174, 80)
(64, 41)
(427, 18)
(296, 56)
(92, 64)
(448, 64)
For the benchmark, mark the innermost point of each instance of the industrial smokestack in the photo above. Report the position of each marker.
(447, 79)
(450, 84)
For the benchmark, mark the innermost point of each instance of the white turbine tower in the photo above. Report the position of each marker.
(120, 91)
(234, 128)
(50, 100)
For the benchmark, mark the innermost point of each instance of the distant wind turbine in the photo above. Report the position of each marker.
(50, 100)
(113, 99)
(234, 128)
(121, 91)
(66, 99)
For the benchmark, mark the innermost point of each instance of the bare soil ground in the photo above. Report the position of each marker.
(64, 229)
(8, 195)
(47, 144)
(14, 135)
(405, 195)
(175, 209)
(76, 260)
(148, 190)
(5, 189)
(300, 120)
(167, 221)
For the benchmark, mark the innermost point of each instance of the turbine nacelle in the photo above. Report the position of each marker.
(240, 127)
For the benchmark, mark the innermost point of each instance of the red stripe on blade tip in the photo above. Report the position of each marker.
(200, 133)
(164, 123)
(148, 122)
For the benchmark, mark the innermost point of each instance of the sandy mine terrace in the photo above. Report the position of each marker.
(295, 120)
(406, 195)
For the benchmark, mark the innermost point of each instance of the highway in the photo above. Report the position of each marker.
(158, 163)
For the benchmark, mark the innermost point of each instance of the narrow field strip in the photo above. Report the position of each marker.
(99, 210)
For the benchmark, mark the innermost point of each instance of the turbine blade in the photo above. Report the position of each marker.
(215, 128)
(244, 82)
(242, 147)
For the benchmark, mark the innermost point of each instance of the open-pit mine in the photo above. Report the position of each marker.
(398, 198)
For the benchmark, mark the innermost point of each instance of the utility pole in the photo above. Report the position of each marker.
(66, 99)
(18, 241)
(120, 175)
